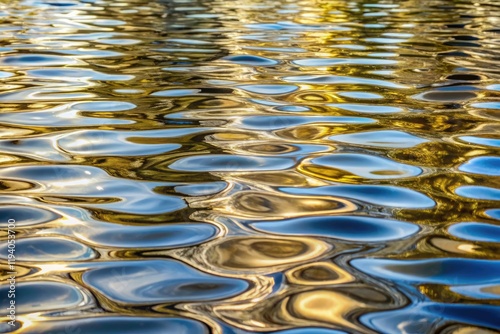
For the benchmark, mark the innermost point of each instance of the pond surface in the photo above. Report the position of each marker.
(231, 167)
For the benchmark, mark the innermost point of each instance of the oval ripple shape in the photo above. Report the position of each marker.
(124, 325)
(269, 89)
(349, 228)
(478, 192)
(310, 330)
(423, 317)
(251, 60)
(108, 143)
(252, 253)
(160, 281)
(98, 106)
(384, 139)
(162, 236)
(484, 141)
(230, 163)
(450, 271)
(36, 60)
(42, 296)
(366, 166)
(476, 231)
(482, 165)
(48, 249)
(391, 196)
(26, 215)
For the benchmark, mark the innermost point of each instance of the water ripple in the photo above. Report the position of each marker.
(360, 166)
(147, 237)
(230, 163)
(265, 253)
(482, 165)
(41, 295)
(27, 215)
(75, 74)
(341, 80)
(88, 184)
(379, 195)
(437, 271)
(196, 166)
(251, 60)
(35, 60)
(122, 325)
(349, 228)
(165, 281)
(387, 138)
(49, 250)
(476, 232)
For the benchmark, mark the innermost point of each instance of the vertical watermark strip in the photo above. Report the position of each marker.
(11, 262)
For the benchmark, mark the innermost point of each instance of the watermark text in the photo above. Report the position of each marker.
(11, 263)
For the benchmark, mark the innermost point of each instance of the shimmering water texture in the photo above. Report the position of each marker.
(244, 166)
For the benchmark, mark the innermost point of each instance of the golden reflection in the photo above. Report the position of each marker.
(254, 254)
(330, 174)
(277, 206)
(29, 321)
(52, 268)
(319, 273)
(440, 293)
(442, 245)
(283, 178)
(325, 306)
(5, 272)
(308, 132)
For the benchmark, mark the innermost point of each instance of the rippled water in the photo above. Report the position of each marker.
(231, 167)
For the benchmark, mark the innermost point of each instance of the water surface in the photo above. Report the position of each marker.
(292, 167)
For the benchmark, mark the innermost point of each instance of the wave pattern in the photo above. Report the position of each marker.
(195, 166)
